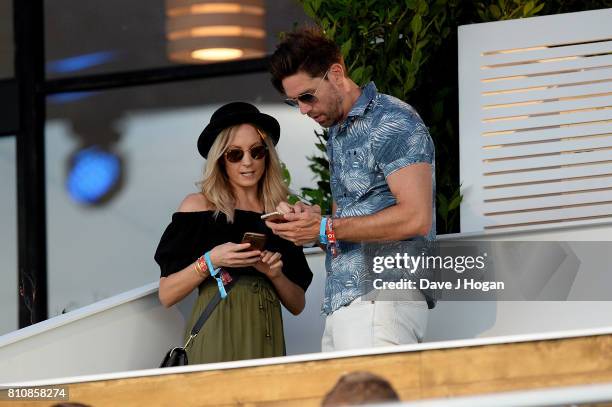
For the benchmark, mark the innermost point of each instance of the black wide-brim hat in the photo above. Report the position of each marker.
(232, 114)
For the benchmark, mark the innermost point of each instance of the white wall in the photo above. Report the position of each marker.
(8, 236)
(125, 332)
(455, 320)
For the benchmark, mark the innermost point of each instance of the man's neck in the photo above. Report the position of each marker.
(350, 99)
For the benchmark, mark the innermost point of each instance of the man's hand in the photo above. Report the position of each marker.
(301, 227)
(299, 207)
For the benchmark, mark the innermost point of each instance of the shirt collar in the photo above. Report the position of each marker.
(368, 93)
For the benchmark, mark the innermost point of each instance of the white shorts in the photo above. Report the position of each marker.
(367, 324)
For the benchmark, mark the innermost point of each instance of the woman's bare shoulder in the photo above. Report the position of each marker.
(194, 203)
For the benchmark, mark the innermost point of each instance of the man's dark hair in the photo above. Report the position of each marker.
(359, 388)
(307, 50)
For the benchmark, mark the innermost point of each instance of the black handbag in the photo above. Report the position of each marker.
(177, 356)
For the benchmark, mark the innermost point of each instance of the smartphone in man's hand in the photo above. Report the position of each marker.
(276, 217)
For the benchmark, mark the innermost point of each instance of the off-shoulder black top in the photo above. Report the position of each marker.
(191, 234)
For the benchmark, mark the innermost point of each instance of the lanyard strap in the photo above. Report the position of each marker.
(215, 274)
(208, 311)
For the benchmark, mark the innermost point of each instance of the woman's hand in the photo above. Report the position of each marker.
(234, 255)
(270, 264)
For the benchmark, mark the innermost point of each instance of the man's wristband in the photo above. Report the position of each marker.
(323, 231)
(329, 232)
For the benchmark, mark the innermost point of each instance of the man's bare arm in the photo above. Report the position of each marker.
(410, 216)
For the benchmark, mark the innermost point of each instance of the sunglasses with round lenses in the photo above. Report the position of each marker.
(306, 97)
(235, 155)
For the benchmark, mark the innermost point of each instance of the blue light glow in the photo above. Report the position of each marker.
(81, 62)
(93, 174)
(69, 97)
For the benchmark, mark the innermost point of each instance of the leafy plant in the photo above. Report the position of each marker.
(409, 49)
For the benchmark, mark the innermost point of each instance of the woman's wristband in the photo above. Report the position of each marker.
(201, 267)
(211, 268)
(214, 272)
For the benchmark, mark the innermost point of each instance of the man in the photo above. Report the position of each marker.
(383, 186)
(358, 388)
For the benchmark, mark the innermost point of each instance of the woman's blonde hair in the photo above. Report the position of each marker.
(215, 183)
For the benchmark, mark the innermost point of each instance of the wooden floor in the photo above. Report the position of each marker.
(415, 375)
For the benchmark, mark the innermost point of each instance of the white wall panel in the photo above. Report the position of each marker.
(536, 121)
(552, 187)
(545, 69)
(531, 83)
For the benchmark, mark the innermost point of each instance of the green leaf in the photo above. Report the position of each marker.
(409, 84)
(308, 9)
(455, 202)
(416, 24)
(495, 11)
(286, 174)
(346, 48)
(412, 4)
(422, 43)
(423, 7)
(537, 9)
(357, 75)
(527, 8)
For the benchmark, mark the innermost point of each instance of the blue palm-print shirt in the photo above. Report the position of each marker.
(381, 135)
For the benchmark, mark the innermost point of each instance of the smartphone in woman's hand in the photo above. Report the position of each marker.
(257, 240)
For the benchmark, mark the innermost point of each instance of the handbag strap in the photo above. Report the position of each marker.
(210, 307)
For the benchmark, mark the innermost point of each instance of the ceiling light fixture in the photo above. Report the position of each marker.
(200, 31)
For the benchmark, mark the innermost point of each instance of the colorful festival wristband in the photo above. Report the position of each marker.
(323, 231)
(331, 237)
(214, 272)
(329, 231)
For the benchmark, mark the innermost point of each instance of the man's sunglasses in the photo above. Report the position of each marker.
(235, 155)
(306, 97)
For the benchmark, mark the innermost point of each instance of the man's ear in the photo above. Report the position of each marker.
(336, 72)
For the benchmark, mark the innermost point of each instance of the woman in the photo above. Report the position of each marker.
(242, 180)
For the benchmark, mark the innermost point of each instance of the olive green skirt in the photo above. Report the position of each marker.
(247, 324)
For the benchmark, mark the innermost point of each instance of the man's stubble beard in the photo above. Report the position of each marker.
(335, 112)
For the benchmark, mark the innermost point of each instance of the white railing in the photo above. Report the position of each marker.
(132, 330)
